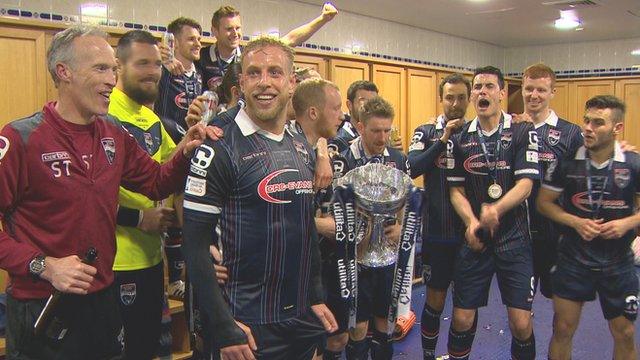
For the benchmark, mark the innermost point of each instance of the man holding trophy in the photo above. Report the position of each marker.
(375, 175)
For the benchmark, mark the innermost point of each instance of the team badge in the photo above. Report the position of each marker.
(631, 306)
(4, 146)
(128, 293)
(109, 146)
(553, 137)
(148, 141)
(426, 273)
(621, 177)
(302, 151)
(505, 139)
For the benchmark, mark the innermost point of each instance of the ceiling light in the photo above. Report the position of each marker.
(568, 20)
(636, 52)
(564, 24)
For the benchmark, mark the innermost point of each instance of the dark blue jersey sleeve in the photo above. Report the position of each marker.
(554, 178)
(422, 155)
(209, 182)
(208, 185)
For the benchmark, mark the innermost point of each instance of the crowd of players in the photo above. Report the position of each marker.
(122, 163)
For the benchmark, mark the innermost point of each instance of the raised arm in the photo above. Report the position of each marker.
(302, 33)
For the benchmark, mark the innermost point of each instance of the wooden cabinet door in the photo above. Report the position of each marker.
(344, 72)
(421, 99)
(313, 62)
(422, 95)
(581, 91)
(23, 71)
(560, 101)
(629, 92)
(392, 86)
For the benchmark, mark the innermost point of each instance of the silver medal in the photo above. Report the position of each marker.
(495, 191)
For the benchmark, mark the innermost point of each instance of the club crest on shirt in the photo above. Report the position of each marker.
(553, 137)
(302, 151)
(109, 146)
(4, 146)
(621, 177)
(505, 139)
(148, 141)
(128, 293)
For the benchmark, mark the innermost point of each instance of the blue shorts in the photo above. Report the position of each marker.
(296, 338)
(545, 254)
(474, 271)
(438, 261)
(617, 292)
(374, 293)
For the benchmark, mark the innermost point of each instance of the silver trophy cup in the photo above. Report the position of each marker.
(380, 192)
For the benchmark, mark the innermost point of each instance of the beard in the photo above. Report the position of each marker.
(455, 113)
(267, 115)
(137, 93)
(324, 127)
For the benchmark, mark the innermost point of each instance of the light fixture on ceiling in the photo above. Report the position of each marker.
(636, 52)
(568, 20)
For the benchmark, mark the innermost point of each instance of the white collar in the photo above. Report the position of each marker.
(618, 154)
(473, 127)
(214, 57)
(551, 120)
(248, 127)
(348, 127)
(440, 122)
(355, 148)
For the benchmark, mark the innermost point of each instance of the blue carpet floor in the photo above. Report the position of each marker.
(493, 338)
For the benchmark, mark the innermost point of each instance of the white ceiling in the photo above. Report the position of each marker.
(505, 23)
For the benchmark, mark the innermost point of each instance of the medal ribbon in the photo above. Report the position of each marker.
(595, 206)
(493, 170)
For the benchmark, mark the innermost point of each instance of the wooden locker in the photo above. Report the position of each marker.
(422, 100)
(23, 72)
(560, 101)
(581, 91)
(316, 63)
(392, 86)
(344, 72)
(629, 91)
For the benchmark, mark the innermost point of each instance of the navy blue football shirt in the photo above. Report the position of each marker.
(212, 66)
(517, 159)
(621, 187)
(175, 95)
(345, 136)
(557, 137)
(260, 185)
(429, 157)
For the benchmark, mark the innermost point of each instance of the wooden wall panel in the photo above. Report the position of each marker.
(314, 62)
(23, 73)
(344, 72)
(392, 86)
(560, 101)
(629, 92)
(581, 91)
(421, 103)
